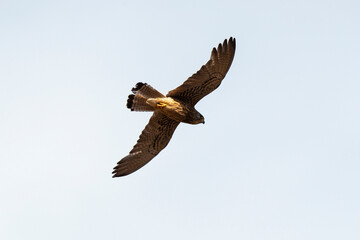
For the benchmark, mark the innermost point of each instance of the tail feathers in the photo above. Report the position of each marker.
(146, 90)
(137, 101)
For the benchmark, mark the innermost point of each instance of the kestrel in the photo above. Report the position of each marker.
(177, 106)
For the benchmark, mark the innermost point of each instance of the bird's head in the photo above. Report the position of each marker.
(200, 118)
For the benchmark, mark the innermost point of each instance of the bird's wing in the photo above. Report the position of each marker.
(210, 75)
(152, 140)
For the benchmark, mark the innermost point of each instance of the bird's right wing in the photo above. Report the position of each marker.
(210, 75)
(152, 140)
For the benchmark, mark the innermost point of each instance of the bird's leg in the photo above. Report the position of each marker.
(161, 105)
(157, 103)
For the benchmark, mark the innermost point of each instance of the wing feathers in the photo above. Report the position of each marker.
(152, 140)
(146, 90)
(210, 75)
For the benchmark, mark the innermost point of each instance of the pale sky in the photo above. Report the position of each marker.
(278, 157)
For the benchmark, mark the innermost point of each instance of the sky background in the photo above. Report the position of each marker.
(278, 157)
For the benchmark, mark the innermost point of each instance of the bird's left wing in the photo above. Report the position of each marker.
(210, 75)
(152, 140)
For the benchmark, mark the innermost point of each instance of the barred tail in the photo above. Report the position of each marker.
(142, 91)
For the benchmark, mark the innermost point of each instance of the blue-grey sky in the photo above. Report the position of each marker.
(278, 157)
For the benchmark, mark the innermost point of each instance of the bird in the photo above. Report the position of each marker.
(178, 106)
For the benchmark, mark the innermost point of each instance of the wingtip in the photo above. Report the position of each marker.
(214, 53)
(119, 174)
(232, 41)
(223, 47)
(116, 173)
(220, 47)
(120, 169)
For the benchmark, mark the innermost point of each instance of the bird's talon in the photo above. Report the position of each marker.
(161, 105)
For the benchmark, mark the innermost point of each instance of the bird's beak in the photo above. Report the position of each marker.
(203, 121)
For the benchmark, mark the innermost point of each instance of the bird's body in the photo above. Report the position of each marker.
(175, 110)
(177, 106)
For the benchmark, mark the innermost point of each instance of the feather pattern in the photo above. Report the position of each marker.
(210, 75)
(137, 101)
(152, 140)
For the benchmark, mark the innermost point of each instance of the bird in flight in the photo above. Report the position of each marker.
(176, 107)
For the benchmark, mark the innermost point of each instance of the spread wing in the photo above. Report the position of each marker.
(210, 75)
(152, 140)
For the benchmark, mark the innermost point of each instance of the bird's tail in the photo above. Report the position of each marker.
(142, 91)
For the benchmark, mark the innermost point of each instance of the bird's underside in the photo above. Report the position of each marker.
(177, 106)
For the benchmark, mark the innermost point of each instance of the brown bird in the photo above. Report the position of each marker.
(177, 106)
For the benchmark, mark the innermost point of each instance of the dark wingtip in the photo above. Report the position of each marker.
(118, 173)
(232, 41)
(115, 174)
(130, 101)
(137, 87)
